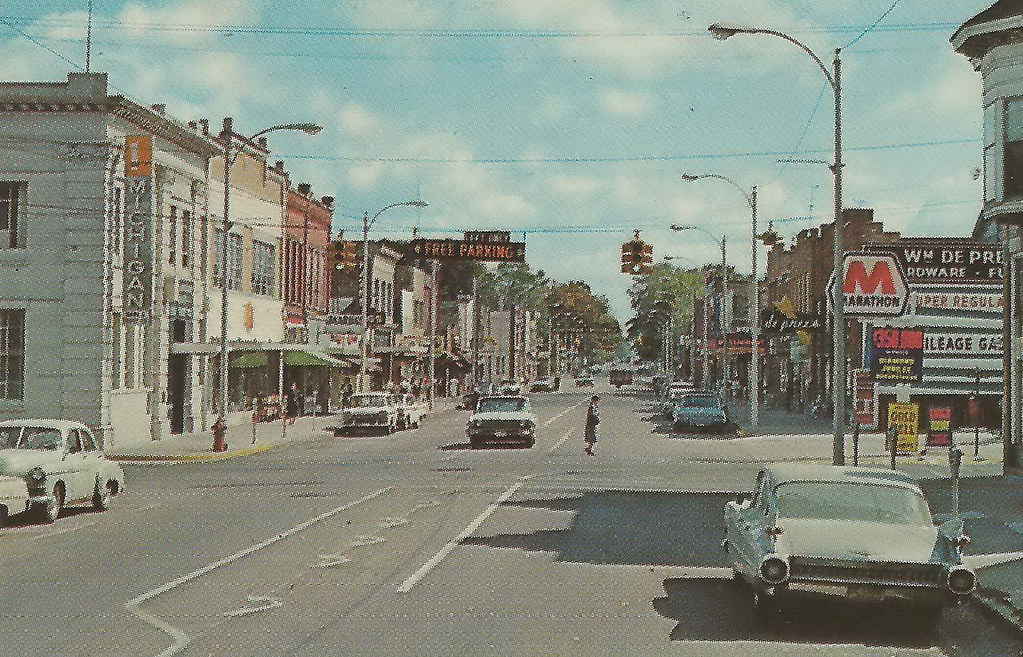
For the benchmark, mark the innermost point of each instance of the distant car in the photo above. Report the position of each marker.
(509, 387)
(584, 381)
(620, 377)
(857, 533)
(60, 463)
(672, 394)
(502, 419)
(368, 411)
(701, 410)
(542, 385)
(411, 412)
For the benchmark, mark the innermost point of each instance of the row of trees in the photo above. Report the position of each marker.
(551, 301)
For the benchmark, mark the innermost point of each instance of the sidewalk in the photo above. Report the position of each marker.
(192, 447)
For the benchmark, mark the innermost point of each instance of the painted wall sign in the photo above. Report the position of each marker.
(137, 295)
(963, 344)
(941, 261)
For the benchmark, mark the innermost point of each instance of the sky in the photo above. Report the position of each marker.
(568, 120)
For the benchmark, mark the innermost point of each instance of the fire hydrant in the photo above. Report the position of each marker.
(219, 429)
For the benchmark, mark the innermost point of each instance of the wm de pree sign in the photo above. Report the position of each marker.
(873, 285)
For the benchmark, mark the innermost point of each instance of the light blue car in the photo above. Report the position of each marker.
(701, 410)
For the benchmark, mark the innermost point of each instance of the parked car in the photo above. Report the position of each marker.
(584, 381)
(411, 412)
(504, 418)
(673, 394)
(620, 377)
(14, 497)
(542, 385)
(701, 410)
(857, 533)
(61, 464)
(368, 411)
(470, 399)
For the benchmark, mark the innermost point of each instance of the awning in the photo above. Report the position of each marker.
(254, 359)
(313, 359)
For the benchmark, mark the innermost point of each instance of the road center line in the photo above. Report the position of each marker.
(553, 419)
(180, 638)
(57, 532)
(425, 569)
(560, 442)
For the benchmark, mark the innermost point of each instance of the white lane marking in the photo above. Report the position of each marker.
(268, 604)
(363, 540)
(389, 523)
(561, 414)
(560, 442)
(331, 560)
(57, 532)
(424, 505)
(180, 638)
(425, 569)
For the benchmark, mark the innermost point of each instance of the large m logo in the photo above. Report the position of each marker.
(858, 280)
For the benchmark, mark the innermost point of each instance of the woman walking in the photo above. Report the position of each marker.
(592, 420)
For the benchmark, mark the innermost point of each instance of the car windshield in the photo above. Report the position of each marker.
(502, 405)
(368, 401)
(852, 501)
(704, 401)
(39, 438)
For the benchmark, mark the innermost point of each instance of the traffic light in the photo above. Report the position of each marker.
(647, 259)
(349, 255)
(626, 258)
(637, 257)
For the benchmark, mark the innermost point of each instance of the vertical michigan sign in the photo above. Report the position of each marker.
(138, 242)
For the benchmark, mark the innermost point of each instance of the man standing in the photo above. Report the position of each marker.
(592, 420)
(346, 394)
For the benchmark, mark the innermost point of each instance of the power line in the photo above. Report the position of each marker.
(874, 25)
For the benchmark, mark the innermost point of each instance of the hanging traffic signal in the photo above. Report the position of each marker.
(647, 259)
(637, 256)
(626, 258)
(349, 255)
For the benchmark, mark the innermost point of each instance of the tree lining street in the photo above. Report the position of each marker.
(301, 551)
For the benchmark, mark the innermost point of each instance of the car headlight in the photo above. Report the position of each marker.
(774, 569)
(36, 475)
(961, 581)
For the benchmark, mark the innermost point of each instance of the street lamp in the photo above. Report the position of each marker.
(754, 375)
(367, 223)
(834, 77)
(726, 314)
(227, 137)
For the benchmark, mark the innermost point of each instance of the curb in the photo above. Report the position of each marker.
(190, 458)
(994, 603)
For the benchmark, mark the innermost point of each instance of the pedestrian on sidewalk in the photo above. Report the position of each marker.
(592, 420)
(293, 403)
(346, 394)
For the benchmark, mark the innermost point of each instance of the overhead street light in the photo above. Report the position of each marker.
(838, 364)
(754, 373)
(227, 135)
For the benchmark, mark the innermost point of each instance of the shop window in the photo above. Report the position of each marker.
(234, 261)
(172, 246)
(12, 200)
(12, 354)
(186, 238)
(1012, 159)
(263, 259)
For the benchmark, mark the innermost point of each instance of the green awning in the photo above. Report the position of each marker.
(251, 359)
(311, 359)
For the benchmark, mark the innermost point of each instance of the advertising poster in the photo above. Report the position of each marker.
(896, 355)
(864, 387)
(939, 433)
(906, 418)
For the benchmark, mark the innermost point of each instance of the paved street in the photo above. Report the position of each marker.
(415, 545)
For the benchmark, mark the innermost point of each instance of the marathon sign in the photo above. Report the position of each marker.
(948, 261)
(873, 285)
(469, 250)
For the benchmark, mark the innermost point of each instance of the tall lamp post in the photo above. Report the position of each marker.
(367, 223)
(726, 313)
(834, 78)
(227, 136)
(754, 374)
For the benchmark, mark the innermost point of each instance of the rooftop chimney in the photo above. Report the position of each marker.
(204, 127)
(228, 126)
(304, 189)
(279, 165)
(328, 202)
(263, 143)
(159, 108)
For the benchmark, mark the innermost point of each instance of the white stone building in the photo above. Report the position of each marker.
(100, 270)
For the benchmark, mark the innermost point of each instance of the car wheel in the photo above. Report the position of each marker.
(51, 510)
(102, 497)
(529, 442)
(475, 443)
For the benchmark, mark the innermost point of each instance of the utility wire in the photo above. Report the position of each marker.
(874, 25)
(11, 25)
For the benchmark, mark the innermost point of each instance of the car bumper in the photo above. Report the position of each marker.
(502, 435)
(869, 593)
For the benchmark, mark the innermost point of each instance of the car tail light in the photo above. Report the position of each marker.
(961, 541)
(961, 581)
(774, 569)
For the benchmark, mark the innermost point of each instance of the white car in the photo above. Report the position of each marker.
(61, 464)
(411, 412)
(14, 497)
(502, 419)
(368, 411)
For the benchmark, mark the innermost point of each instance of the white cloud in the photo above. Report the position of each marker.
(190, 13)
(632, 104)
(574, 185)
(356, 120)
(365, 175)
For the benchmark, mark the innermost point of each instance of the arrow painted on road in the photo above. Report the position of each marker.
(389, 523)
(268, 603)
(363, 540)
(331, 560)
